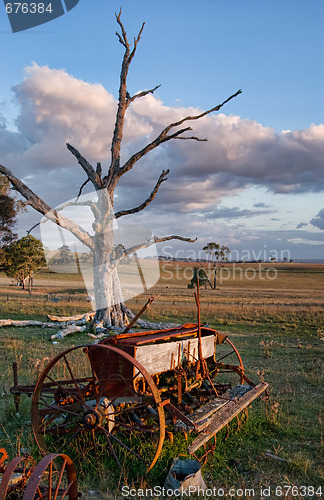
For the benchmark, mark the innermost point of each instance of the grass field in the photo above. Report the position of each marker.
(274, 317)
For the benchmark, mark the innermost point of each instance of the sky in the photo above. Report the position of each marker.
(255, 186)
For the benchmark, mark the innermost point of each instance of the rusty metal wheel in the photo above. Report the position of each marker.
(227, 366)
(54, 478)
(91, 401)
(15, 477)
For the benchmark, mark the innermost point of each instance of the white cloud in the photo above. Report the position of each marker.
(318, 221)
(297, 241)
(56, 107)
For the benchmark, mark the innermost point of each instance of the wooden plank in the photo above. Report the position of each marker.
(209, 408)
(201, 417)
(139, 338)
(225, 415)
(132, 335)
(158, 358)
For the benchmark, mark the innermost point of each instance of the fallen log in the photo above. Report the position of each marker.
(80, 320)
(67, 331)
(96, 337)
(27, 322)
(86, 317)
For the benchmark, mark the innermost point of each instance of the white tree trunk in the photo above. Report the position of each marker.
(108, 294)
(107, 287)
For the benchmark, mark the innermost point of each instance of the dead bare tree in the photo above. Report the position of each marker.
(108, 297)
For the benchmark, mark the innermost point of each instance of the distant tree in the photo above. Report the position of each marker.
(218, 254)
(22, 258)
(65, 255)
(8, 212)
(198, 273)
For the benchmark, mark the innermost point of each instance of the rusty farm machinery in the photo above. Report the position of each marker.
(131, 389)
(53, 478)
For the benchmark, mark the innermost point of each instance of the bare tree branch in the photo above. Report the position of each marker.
(99, 169)
(112, 177)
(140, 94)
(201, 115)
(161, 179)
(167, 238)
(18, 185)
(136, 40)
(115, 171)
(177, 135)
(87, 167)
(192, 138)
(35, 225)
(81, 188)
(40, 206)
(123, 39)
(164, 137)
(86, 203)
(124, 252)
(98, 172)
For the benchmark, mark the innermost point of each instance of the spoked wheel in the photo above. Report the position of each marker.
(91, 401)
(15, 477)
(54, 478)
(227, 366)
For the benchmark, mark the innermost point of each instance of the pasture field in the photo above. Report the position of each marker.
(274, 315)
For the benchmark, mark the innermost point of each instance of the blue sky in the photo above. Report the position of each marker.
(257, 182)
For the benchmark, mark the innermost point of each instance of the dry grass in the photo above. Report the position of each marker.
(298, 289)
(293, 300)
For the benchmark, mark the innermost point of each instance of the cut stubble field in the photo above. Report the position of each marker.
(275, 319)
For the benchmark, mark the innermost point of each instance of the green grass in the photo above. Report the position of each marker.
(276, 327)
